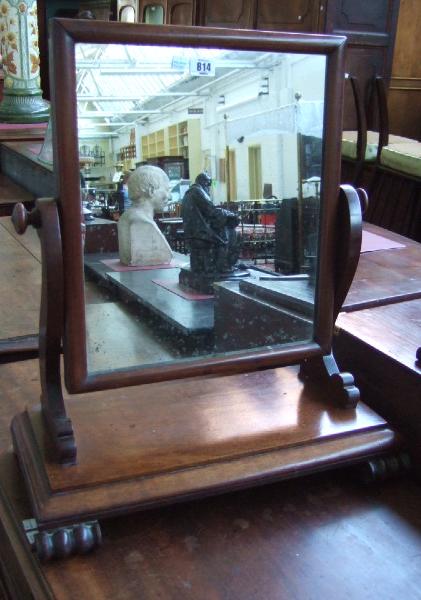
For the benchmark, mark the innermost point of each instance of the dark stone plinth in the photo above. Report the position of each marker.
(101, 236)
(203, 282)
(295, 295)
(246, 317)
(187, 317)
(200, 282)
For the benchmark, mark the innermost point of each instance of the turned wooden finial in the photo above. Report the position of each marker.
(21, 218)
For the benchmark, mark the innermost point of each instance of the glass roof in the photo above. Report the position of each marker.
(118, 86)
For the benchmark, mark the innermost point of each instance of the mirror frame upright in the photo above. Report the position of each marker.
(65, 33)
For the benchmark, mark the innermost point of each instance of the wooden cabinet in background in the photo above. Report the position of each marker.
(176, 167)
(238, 14)
(169, 12)
(369, 25)
(405, 87)
(180, 12)
(359, 17)
(181, 140)
(289, 15)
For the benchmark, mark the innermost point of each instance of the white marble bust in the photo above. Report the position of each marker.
(140, 242)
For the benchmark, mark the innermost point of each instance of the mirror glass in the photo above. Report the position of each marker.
(200, 175)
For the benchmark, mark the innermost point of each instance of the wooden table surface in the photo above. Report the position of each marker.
(393, 330)
(143, 446)
(20, 277)
(10, 193)
(378, 346)
(22, 131)
(29, 241)
(326, 536)
(20, 161)
(378, 341)
(323, 536)
(301, 539)
(386, 276)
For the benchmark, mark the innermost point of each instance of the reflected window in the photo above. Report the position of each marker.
(128, 14)
(153, 14)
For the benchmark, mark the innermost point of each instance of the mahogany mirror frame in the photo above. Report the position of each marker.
(65, 33)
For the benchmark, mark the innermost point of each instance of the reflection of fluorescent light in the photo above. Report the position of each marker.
(101, 114)
(225, 107)
(95, 125)
(127, 98)
(141, 71)
(85, 136)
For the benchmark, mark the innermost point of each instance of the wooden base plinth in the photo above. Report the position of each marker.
(146, 446)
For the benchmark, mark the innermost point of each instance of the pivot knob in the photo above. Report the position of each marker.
(21, 218)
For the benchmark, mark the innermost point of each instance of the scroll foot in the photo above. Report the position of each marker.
(339, 385)
(62, 438)
(387, 467)
(64, 541)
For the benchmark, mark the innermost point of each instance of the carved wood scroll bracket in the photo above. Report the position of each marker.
(348, 241)
(339, 385)
(348, 247)
(45, 219)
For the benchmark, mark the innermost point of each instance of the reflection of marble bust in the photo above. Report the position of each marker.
(140, 242)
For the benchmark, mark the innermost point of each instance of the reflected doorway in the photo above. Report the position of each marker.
(232, 176)
(255, 172)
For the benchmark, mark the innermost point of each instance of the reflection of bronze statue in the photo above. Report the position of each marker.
(210, 235)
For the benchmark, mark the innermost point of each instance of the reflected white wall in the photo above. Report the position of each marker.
(297, 79)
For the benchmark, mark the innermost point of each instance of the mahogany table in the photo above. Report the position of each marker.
(20, 162)
(308, 538)
(325, 536)
(378, 340)
(379, 346)
(386, 276)
(20, 290)
(10, 193)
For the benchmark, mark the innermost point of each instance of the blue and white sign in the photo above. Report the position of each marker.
(202, 67)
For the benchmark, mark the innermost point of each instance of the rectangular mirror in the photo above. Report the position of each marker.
(198, 177)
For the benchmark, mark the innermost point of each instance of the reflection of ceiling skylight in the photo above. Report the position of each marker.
(119, 85)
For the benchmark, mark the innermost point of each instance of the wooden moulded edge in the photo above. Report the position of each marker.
(108, 499)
